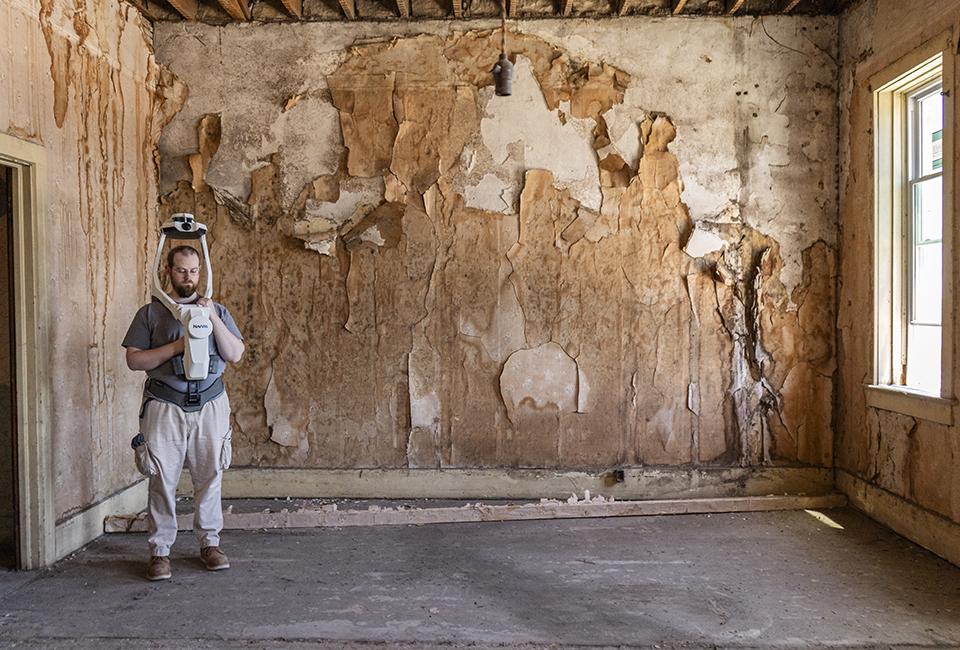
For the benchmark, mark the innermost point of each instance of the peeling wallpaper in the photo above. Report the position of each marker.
(626, 262)
(913, 458)
(80, 80)
(632, 260)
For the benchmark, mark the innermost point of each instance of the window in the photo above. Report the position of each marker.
(913, 140)
(924, 227)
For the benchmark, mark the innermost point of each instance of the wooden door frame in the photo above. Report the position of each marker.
(34, 442)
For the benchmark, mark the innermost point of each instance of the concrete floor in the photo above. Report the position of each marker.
(758, 580)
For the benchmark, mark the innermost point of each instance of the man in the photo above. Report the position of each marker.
(177, 430)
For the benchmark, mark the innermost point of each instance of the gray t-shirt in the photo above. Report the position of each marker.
(155, 326)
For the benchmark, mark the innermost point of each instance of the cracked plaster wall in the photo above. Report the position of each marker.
(913, 458)
(79, 81)
(629, 261)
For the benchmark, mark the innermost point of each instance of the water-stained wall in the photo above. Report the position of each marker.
(78, 80)
(631, 260)
(913, 458)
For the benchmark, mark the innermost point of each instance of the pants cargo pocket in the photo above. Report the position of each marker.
(146, 463)
(226, 449)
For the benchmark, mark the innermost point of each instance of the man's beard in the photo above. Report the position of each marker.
(184, 290)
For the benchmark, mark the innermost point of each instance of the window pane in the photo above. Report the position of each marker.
(931, 132)
(923, 360)
(928, 210)
(927, 282)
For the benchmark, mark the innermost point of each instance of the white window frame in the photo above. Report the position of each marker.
(890, 88)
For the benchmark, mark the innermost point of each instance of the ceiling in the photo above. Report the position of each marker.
(226, 11)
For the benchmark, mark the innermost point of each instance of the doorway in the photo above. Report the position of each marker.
(27, 517)
(8, 478)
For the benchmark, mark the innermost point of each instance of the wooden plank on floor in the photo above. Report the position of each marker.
(330, 516)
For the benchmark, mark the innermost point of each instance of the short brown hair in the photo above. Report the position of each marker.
(181, 250)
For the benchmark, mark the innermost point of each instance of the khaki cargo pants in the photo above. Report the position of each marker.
(199, 441)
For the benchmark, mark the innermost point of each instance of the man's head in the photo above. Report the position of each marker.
(183, 267)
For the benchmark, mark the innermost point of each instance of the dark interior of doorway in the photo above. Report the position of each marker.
(8, 481)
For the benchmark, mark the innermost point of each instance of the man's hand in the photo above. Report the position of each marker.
(203, 301)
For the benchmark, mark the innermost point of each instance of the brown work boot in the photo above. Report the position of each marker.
(214, 558)
(159, 568)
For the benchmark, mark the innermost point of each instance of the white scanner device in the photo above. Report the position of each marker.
(196, 319)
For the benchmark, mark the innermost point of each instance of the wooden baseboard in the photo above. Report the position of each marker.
(930, 530)
(637, 484)
(84, 527)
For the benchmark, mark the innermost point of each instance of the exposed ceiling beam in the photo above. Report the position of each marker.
(186, 8)
(238, 9)
(349, 8)
(295, 7)
(146, 9)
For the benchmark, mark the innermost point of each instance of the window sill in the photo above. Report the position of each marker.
(907, 401)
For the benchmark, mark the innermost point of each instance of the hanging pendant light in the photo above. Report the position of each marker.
(503, 69)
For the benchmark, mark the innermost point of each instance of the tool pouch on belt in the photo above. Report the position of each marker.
(146, 464)
(192, 400)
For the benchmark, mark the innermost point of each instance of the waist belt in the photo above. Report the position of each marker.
(192, 400)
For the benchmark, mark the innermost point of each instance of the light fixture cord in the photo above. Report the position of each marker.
(503, 29)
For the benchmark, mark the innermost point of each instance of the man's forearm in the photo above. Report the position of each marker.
(229, 346)
(138, 359)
